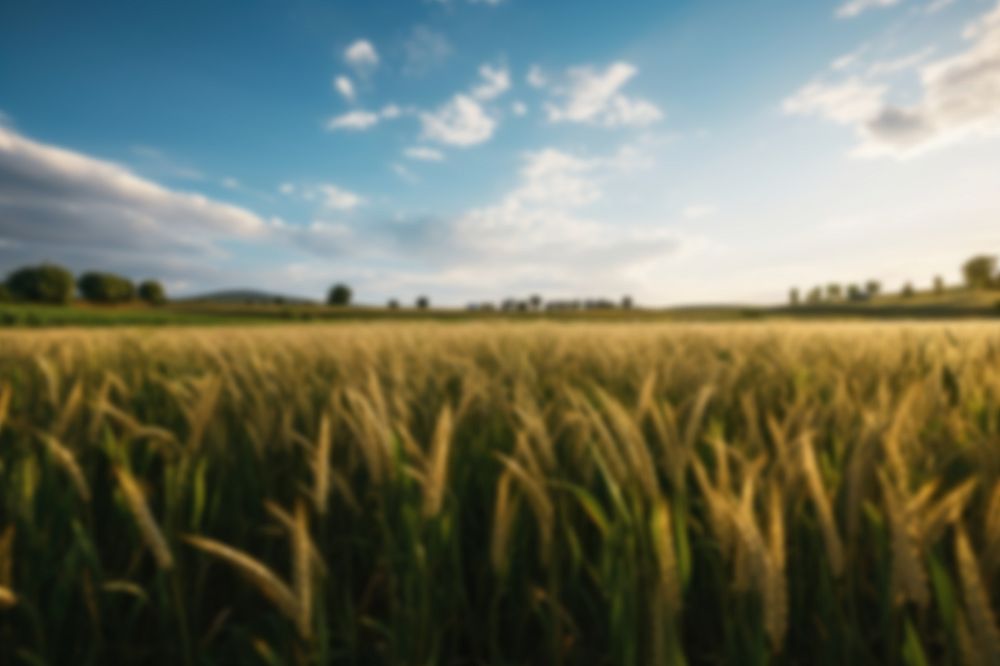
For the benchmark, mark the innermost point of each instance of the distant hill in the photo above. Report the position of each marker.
(246, 297)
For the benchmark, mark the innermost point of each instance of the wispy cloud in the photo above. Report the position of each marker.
(496, 81)
(354, 121)
(959, 98)
(361, 55)
(593, 96)
(857, 7)
(345, 87)
(461, 122)
(424, 154)
(67, 206)
(424, 50)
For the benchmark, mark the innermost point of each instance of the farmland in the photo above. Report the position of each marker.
(501, 493)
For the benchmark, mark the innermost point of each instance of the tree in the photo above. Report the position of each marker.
(627, 303)
(423, 302)
(939, 286)
(873, 288)
(908, 290)
(152, 292)
(834, 292)
(340, 294)
(536, 302)
(47, 283)
(794, 298)
(5, 296)
(815, 296)
(854, 293)
(980, 272)
(393, 304)
(105, 287)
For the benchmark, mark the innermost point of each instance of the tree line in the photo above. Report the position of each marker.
(52, 284)
(979, 272)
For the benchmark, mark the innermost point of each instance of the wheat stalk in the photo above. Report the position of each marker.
(985, 633)
(143, 517)
(834, 547)
(321, 466)
(65, 459)
(437, 472)
(254, 571)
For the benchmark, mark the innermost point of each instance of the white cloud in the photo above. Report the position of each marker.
(391, 112)
(353, 121)
(361, 55)
(938, 5)
(404, 173)
(960, 98)
(519, 108)
(88, 212)
(361, 120)
(496, 81)
(539, 233)
(900, 64)
(287, 189)
(536, 77)
(593, 97)
(337, 198)
(424, 50)
(846, 103)
(231, 183)
(461, 122)
(424, 154)
(344, 86)
(857, 7)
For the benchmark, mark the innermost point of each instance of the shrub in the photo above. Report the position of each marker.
(980, 272)
(106, 287)
(423, 302)
(152, 292)
(46, 283)
(340, 294)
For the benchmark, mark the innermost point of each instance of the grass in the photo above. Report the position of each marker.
(952, 304)
(530, 493)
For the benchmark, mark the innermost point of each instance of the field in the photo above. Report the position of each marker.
(502, 493)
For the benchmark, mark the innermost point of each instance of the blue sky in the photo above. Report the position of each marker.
(472, 150)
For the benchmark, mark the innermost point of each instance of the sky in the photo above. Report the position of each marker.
(472, 150)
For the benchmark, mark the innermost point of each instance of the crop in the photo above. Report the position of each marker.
(533, 493)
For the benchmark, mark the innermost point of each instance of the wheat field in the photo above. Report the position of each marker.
(501, 494)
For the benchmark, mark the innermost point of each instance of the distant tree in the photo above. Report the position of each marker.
(423, 302)
(794, 297)
(834, 292)
(99, 287)
(393, 304)
(873, 288)
(536, 302)
(339, 294)
(627, 303)
(854, 293)
(908, 290)
(980, 272)
(152, 292)
(815, 296)
(47, 283)
(939, 286)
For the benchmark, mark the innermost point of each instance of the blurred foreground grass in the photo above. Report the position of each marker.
(501, 494)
